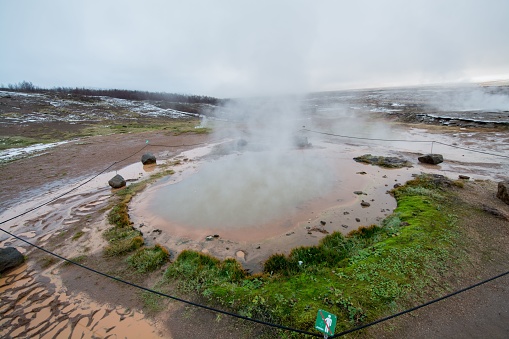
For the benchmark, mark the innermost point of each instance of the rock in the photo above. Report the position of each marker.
(503, 191)
(361, 173)
(365, 204)
(493, 211)
(209, 238)
(464, 177)
(241, 255)
(433, 159)
(358, 192)
(10, 258)
(323, 222)
(397, 185)
(388, 162)
(117, 181)
(148, 158)
(357, 219)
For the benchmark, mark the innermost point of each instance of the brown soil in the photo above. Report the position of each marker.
(47, 298)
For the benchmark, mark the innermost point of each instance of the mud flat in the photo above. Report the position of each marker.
(65, 310)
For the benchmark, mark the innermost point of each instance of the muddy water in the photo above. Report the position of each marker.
(33, 306)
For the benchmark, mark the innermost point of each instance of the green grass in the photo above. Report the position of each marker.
(122, 237)
(7, 142)
(148, 259)
(77, 235)
(370, 273)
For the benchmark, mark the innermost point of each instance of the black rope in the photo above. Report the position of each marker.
(234, 314)
(71, 190)
(472, 150)
(419, 306)
(161, 293)
(403, 140)
(361, 138)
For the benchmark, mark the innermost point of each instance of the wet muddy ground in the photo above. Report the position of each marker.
(45, 298)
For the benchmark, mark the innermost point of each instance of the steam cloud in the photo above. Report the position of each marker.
(264, 176)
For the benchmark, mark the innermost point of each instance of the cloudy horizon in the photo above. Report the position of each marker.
(230, 48)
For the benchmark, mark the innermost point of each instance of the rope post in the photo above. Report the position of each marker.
(432, 147)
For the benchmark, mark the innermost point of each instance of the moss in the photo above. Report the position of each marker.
(359, 277)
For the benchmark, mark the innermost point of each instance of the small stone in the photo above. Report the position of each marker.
(323, 222)
(309, 232)
(346, 213)
(117, 181)
(365, 204)
(344, 226)
(241, 255)
(464, 177)
(358, 192)
(148, 158)
(258, 247)
(209, 238)
(362, 173)
(357, 219)
(288, 234)
(397, 185)
(216, 236)
(385, 177)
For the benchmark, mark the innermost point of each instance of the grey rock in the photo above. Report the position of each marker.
(10, 258)
(148, 158)
(433, 159)
(503, 191)
(117, 181)
(464, 177)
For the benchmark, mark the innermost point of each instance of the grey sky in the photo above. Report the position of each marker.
(237, 48)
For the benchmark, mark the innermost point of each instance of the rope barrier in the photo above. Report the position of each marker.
(234, 314)
(281, 327)
(403, 140)
(419, 306)
(71, 190)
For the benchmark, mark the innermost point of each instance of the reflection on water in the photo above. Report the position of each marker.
(238, 191)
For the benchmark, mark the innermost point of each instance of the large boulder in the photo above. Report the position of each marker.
(503, 191)
(433, 159)
(117, 181)
(148, 158)
(10, 258)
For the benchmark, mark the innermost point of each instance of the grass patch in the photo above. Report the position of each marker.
(372, 272)
(77, 235)
(79, 259)
(123, 238)
(148, 259)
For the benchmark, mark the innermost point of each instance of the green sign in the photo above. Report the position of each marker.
(325, 322)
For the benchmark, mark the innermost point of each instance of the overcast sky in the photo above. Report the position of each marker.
(243, 48)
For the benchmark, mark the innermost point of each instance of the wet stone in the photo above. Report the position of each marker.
(365, 204)
(148, 158)
(117, 181)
